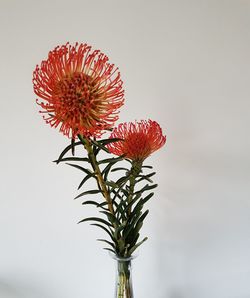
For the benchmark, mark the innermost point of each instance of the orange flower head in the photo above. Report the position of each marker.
(139, 139)
(80, 90)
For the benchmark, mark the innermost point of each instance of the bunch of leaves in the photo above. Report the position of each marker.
(122, 212)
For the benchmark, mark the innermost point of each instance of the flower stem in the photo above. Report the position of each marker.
(135, 171)
(124, 284)
(96, 168)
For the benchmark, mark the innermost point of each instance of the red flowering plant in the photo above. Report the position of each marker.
(81, 92)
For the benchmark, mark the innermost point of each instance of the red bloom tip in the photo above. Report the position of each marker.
(80, 89)
(140, 139)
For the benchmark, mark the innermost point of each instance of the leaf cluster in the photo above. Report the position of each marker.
(121, 213)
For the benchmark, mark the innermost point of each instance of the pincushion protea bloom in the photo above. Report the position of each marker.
(139, 139)
(80, 89)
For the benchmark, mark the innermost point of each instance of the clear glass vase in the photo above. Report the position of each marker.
(123, 284)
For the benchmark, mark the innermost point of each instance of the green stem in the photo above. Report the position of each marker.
(96, 168)
(135, 171)
(124, 283)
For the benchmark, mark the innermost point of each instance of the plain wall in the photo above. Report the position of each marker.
(184, 64)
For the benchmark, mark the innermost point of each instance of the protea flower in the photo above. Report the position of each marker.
(80, 90)
(139, 139)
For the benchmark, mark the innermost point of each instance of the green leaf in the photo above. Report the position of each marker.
(137, 209)
(120, 210)
(126, 193)
(86, 179)
(100, 146)
(105, 229)
(68, 148)
(122, 180)
(72, 159)
(137, 245)
(133, 238)
(146, 187)
(146, 177)
(119, 169)
(82, 140)
(108, 141)
(98, 219)
(134, 234)
(110, 160)
(111, 184)
(108, 242)
(117, 192)
(149, 196)
(131, 234)
(109, 249)
(90, 203)
(147, 167)
(87, 171)
(111, 217)
(102, 204)
(130, 225)
(89, 192)
(106, 170)
(119, 229)
(140, 203)
(141, 219)
(73, 146)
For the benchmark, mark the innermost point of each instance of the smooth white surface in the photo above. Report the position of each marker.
(184, 64)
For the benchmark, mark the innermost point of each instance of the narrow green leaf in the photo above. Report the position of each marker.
(111, 217)
(90, 203)
(122, 181)
(137, 245)
(130, 225)
(146, 177)
(105, 229)
(141, 219)
(148, 197)
(98, 219)
(147, 167)
(146, 187)
(125, 192)
(132, 236)
(120, 210)
(109, 249)
(117, 192)
(110, 160)
(102, 204)
(98, 205)
(87, 177)
(73, 146)
(119, 229)
(100, 146)
(106, 170)
(72, 159)
(119, 169)
(89, 192)
(68, 148)
(106, 241)
(111, 184)
(108, 141)
(140, 203)
(82, 140)
(87, 171)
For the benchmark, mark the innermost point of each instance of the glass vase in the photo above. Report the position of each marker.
(123, 283)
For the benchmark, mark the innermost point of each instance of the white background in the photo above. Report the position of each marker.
(184, 64)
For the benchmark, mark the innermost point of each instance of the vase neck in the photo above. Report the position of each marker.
(123, 286)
